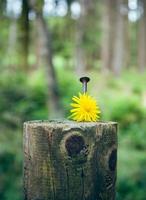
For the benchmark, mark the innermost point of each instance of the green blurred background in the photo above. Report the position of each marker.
(45, 47)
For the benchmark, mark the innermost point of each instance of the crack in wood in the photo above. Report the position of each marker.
(113, 160)
(49, 137)
(83, 187)
(67, 182)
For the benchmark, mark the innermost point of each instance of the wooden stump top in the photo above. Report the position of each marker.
(67, 123)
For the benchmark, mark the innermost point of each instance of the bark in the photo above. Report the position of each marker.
(24, 35)
(66, 160)
(142, 39)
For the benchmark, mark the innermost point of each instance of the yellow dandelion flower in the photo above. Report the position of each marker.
(84, 108)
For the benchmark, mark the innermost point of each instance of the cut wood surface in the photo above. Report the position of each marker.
(66, 160)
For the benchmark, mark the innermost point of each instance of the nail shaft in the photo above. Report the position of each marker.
(84, 81)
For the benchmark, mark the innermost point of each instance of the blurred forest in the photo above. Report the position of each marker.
(45, 47)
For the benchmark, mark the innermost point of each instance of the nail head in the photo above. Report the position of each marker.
(85, 79)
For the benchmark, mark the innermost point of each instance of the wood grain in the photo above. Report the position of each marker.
(66, 160)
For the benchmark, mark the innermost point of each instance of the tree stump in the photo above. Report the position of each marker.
(66, 160)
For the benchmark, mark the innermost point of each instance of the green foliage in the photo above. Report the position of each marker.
(10, 163)
(65, 34)
(131, 174)
(9, 171)
(126, 110)
(25, 99)
(19, 102)
(69, 86)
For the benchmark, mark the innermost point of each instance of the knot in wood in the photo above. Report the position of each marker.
(113, 160)
(74, 144)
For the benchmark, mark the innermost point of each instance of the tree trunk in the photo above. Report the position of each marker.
(24, 35)
(12, 40)
(84, 40)
(127, 42)
(46, 54)
(38, 47)
(108, 25)
(115, 36)
(142, 39)
(66, 160)
(119, 55)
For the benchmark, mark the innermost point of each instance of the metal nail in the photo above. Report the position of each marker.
(84, 81)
